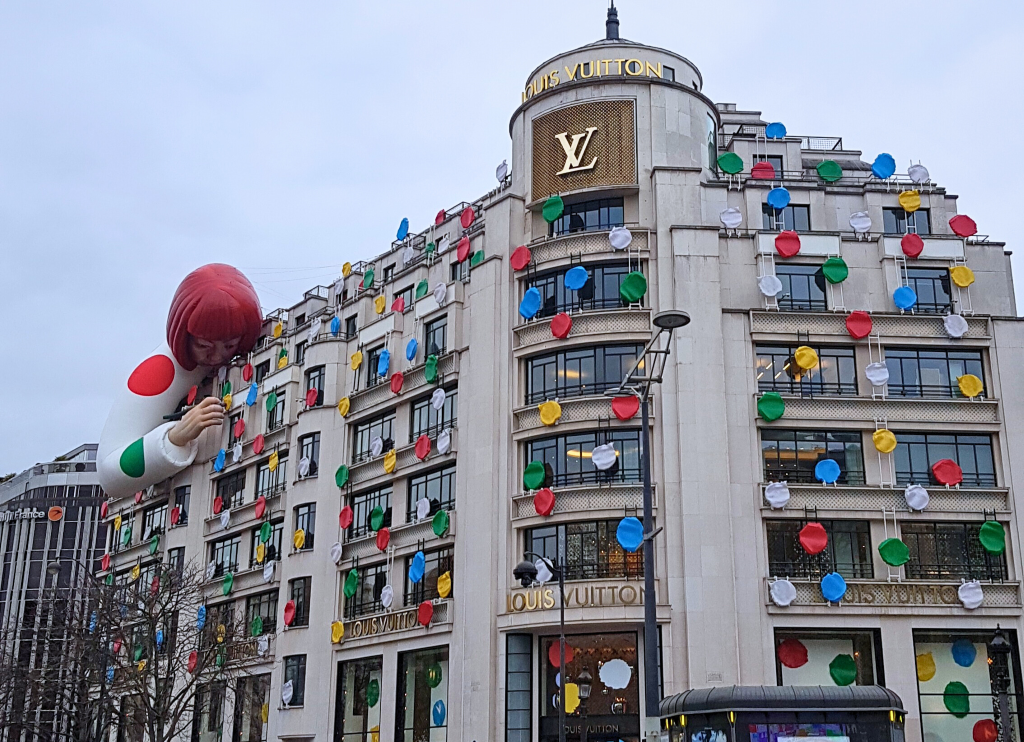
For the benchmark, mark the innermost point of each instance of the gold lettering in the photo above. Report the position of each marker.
(572, 73)
(639, 65)
(554, 77)
(586, 66)
(574, 151)
(652, 69)
(549, 598)
(606, 62)
(619, 62)
(521, 604)
(531, 605)
(632, 595)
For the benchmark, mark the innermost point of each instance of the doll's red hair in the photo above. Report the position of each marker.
(214, 302)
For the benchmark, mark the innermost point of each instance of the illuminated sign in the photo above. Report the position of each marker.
(580, 596)
(29, 514)
(594, 68)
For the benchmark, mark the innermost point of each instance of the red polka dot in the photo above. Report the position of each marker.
(152, 377)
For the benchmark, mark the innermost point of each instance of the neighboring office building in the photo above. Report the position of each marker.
(47, 513)
(623, 132)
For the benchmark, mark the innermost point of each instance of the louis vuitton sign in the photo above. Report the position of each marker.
(601, 595)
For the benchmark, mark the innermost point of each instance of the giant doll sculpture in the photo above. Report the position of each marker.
(215, 315)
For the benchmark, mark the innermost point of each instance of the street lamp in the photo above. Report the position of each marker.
(584, 682)
(638, 381)
(526, 573)
(999, 649)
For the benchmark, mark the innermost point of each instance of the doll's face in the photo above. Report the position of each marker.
(212, 352)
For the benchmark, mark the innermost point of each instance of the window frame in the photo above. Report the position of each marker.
(364, 432)
(316, 378)
(436, 420)
(182, 500)
(896, 221)
(575, 359)
(809, 276)
(848, 475)
(309, 445)
(975, 563)
(605, 278)
(842, 359)
(438, 561)
(295, 670)
(901, 358)
(278, 477)
(793, 218)
(846, 533)
(358, 605)
(421, 483)
(563, 443)
(930, 284)
(299, 591)
(231, 489)
(932, 441)
(594, 537)
(227, 546)
(305, 518)
(608, 213)
(362, 504)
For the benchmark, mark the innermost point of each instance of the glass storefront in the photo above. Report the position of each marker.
(421, 712)
(357, 705)
(957, 681)
(831, 657)
(613, 709)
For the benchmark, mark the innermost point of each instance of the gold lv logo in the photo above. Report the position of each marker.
(574, 151)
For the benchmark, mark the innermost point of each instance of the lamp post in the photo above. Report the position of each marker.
(999, 649)
(638, 381)
(584, 682)
(526, 573)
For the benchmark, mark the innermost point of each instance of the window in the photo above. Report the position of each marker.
(590, 651)
(295, 672)
(224, 554)
(378, 427)
(930, 373)
(231, 489)
(415, 698)
(711, 127)
(351, 326)
(232, 421)
(591, 550)
(803, 288)
(263, 605)
(275, 417)
(458, 271)
(578, 372)
(300, 319)
(567, 457)
(372, 580)
(299, 593)
(251, 694)
(601, 291)
(438, 487)
(372, 359)
(427, 420)
(848, 551)
(354, 718)
(305, 518)
(794, 217)
(154, 521)
(262, 369)
(776, 162)
(822, 647)
(406, 295)
(949, 551)
(389, 273)
(363, 504)
(670, 74)
(435, 337)
(897, 221)
(836, 372)
(176, 559)
(916, 452)
(518, 687)
(309, 450)
(315, 380)
(438, 562)
(587, 216)
(965, 657)
(300, 352)
(182, 498)
(270, 483)
(342, 296)
(932, 288)
(791, 455)
(272, 547)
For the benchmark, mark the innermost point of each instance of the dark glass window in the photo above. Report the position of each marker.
(406, 295)
(791, 455)
(803, 288)
(567, 457)
(351, 326)
(438, 562)
(305, 518)
(427, 420)
(231, 489)
(176, 559)
(578, 372)
(224, 554)
(154, 521)
(300, 319)
(848, 551)
(252, 694)
(897, 221)
(362, 505)
(309, 448)
(794, 217)
(182, 499)
(263, 605)
(438, 487)
(372, 360)
(776, 162)
(836, 372)
(273, 546)
(415, 699)
(916, 452)
(458, 271)
(270, 483)
(592, 550)
(365, 432)
(355, 720)
(295, 671)
(299, 593)
(300, 352)
(262, 369)
(275, 417)
(389, 273)
(932, 288)
(372, 580)
(315, 380)
(435, 336)
(930, 373)
(586, 216)
(949, 551)
(518, 687)
(601, 291)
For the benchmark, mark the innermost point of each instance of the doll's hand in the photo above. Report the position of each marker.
(206, 414)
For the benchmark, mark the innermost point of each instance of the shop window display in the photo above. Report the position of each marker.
(829, 658)
(357, 708)
(421, 712)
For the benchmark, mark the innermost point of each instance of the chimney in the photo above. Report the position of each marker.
(611, 25)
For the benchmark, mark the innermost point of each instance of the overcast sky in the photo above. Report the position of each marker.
(141, 140)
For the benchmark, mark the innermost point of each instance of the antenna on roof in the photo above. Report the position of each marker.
(611, 24)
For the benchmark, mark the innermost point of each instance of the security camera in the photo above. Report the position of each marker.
(525, 572)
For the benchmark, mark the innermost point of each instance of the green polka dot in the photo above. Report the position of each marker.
(422, 288)
(476, 258)
(430, 369)
(957, 699)
(133, 460)
(553, 208)
(830, 171)
(730, 163)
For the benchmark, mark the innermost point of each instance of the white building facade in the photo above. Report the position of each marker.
(360, 465)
